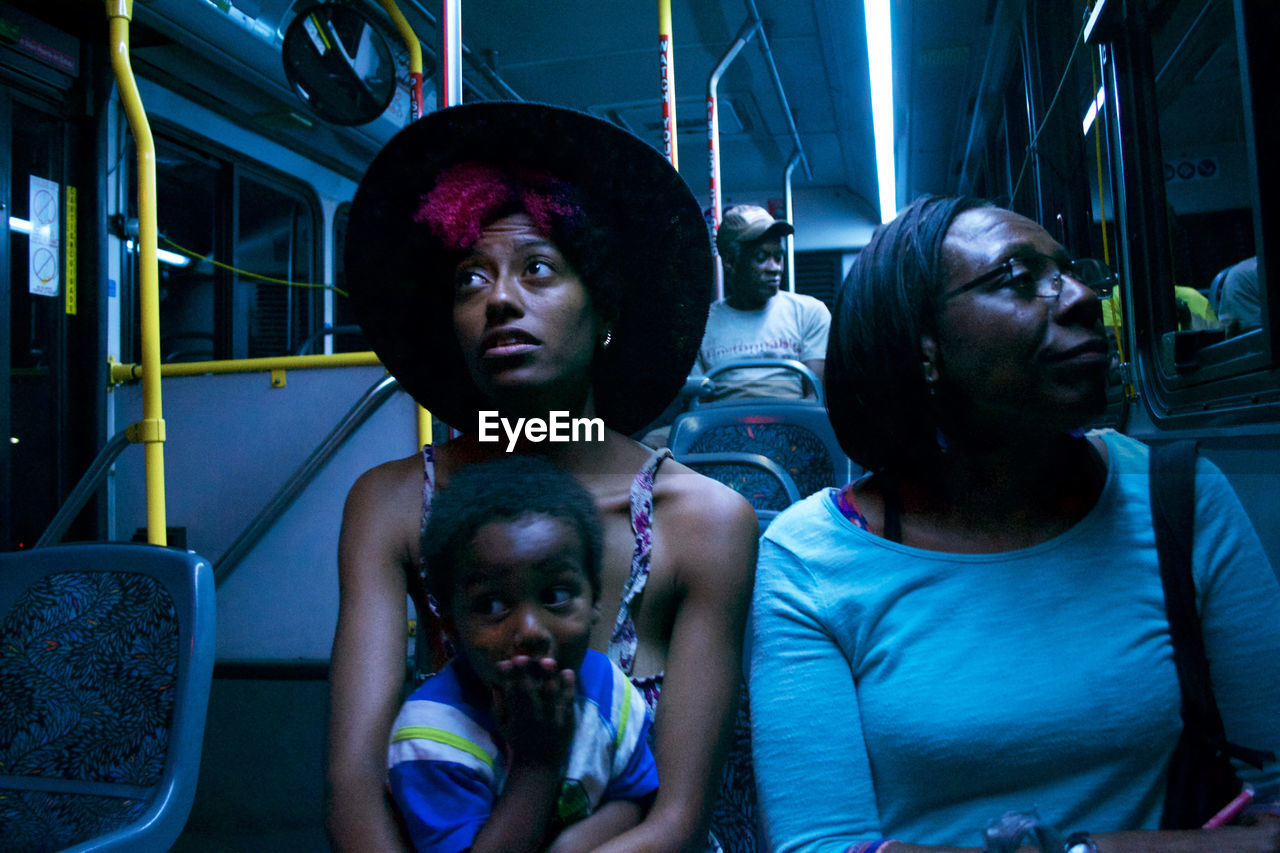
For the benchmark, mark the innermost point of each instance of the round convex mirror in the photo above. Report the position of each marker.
(339, 64)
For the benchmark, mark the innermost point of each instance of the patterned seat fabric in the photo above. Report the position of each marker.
(797, 450)
(39, 821)
(88, 670)
(761, 489)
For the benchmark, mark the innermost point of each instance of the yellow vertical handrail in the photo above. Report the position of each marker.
(150, 430)
(415, 112)
(667, 60)
(415, 57)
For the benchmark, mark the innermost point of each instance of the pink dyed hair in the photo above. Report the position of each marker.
(469, 196)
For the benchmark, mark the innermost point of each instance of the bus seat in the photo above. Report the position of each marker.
(106, 656)
(760, 480)
(808, 378)
(795, 434)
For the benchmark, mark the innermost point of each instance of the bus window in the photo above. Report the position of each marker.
(1189, 178)
(275, 237)
(1209, 216)
(237, 259)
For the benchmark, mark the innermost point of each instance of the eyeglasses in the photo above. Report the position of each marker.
(1038, 276)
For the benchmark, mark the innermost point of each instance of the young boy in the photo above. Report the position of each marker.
(526, 740)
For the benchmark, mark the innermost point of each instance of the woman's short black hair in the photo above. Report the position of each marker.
(877, 396)
(504, 489)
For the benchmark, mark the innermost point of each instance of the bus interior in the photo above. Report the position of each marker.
(1135, 131)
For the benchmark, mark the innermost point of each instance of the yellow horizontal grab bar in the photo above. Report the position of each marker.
(129, 372)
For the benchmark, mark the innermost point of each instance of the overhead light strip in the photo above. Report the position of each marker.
(1098, 101)
(23, 226)
(880, 59)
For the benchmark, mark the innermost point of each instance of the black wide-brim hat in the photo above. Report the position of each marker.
(399, 274)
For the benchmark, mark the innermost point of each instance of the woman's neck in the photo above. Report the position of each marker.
(997, 496)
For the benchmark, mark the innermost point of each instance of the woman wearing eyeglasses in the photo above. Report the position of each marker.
(977, 626)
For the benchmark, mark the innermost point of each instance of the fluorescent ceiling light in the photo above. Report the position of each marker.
(1098, 101)
(880, 57)
(22, 226)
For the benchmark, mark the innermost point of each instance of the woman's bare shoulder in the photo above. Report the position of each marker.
(383, 512)
(705, 537)
(701, 509)
(389, 481)
(681, 484)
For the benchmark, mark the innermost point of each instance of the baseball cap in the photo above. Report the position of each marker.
(746, 222)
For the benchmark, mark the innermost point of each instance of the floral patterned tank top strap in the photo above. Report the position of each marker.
(623, 640)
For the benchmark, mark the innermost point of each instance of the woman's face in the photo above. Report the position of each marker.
(1011, 355)
(524, 319)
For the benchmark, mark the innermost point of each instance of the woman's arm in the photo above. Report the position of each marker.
(609, 821)
(806, 729)
(367, 668)
(1239, 603)
(708, 533)
(1228, 839)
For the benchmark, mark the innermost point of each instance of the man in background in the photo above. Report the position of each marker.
(757, 319)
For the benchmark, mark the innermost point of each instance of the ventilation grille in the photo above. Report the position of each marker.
(818, 274)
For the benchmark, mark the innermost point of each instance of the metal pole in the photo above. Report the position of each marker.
(378, 394)
(791, 241)
(666, 60)
(450, 95)
(415, 57)
(118, 372)
(777, 85)
(150, 430)
(467, 54)
(84, 490)
(713, 135)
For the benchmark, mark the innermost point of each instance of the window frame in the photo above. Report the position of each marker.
(1187, 380)
(233, 167)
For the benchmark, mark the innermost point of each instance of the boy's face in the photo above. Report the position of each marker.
(522, 589)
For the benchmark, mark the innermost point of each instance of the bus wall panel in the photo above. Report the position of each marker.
(232, 442)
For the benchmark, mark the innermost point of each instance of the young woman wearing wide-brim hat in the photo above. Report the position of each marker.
(520, 260)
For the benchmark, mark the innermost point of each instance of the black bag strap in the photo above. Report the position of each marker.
(1173, 514)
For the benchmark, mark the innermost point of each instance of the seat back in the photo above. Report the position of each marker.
(106, 656)
(795, 434)
(706, 394)
(760, 480)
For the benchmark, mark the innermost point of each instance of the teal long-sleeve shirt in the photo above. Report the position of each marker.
(917, 695)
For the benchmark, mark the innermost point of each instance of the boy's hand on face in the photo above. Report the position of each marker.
(533, 708)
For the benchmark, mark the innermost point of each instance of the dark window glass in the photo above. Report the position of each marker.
(1205, 163)
(274, 238)
(224, 230)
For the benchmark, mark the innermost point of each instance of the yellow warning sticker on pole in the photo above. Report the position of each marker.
(69, 262)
